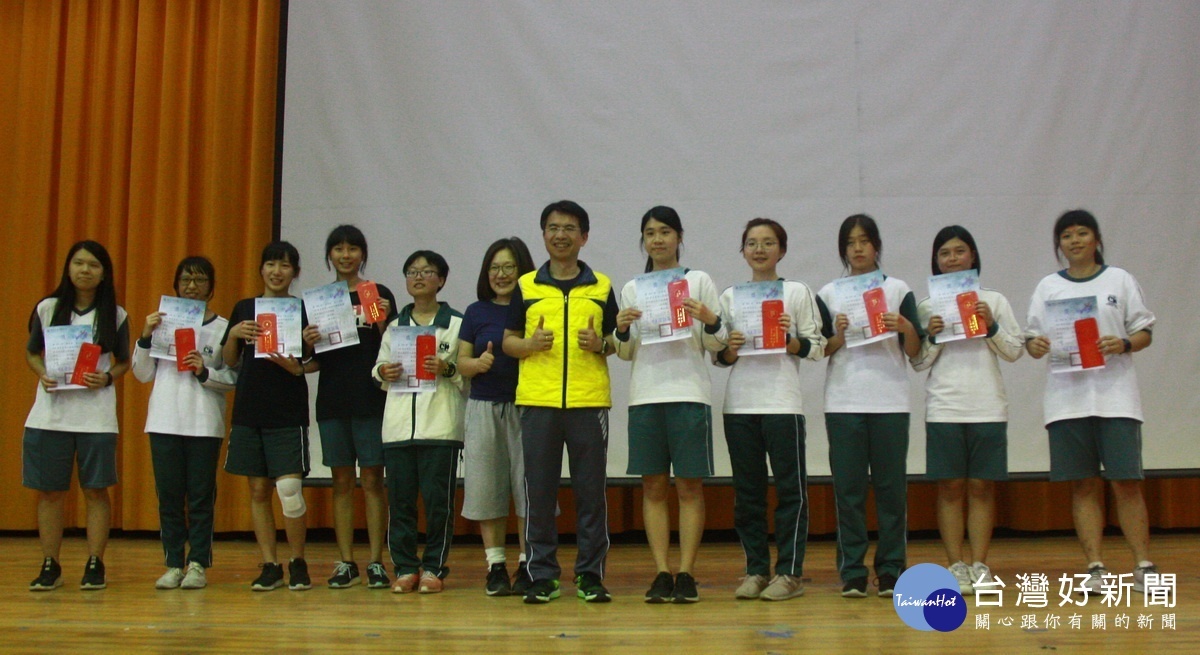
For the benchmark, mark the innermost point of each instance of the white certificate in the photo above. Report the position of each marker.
(288, 314)
(943, 296)
(748, 299)
(848, 295)
(329, 308)
(177, 313)
(657, 323)
(62, 344)
(404, 353)
(1061, 316)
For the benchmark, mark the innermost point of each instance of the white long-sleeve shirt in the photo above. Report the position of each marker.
(964, 383)
(180, 404)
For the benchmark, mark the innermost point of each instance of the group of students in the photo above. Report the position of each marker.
(533, 348)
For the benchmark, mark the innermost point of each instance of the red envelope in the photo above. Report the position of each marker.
(426, 347)
(773, 335)
(973, 326)
(268, 337)
(368, 299)
(185, 343)
(1087, 335)
(678, 291)
(89, 357)
(876, 307)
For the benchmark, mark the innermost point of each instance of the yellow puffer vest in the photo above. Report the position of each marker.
(564, 376)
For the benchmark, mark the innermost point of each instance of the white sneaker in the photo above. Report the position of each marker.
(1139, 577)
(980, 574)
(1094, 581)
(962, 574)
(751, 588)
(170, 579)
(783, 587)
(194, 579)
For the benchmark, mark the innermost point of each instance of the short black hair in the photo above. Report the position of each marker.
(868, 225)
(281, 251)
(568, 208)
(196, 264)
(520, 252)
(780, 233)
(433, 259)
(345, 234)
(954, 232)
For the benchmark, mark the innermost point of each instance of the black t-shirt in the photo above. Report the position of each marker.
(345, 388)
(267, 395)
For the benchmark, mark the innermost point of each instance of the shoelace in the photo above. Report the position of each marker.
(342, 568)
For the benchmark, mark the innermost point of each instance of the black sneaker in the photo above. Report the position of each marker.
(542, 591)
(685, 589)
(270, 579)
(886, 583)
(298, 579)
(345, 575)
(521, 581)
(590, 588)
(377, 577)
(497, 580)
(50, 578)
(661, 589)
(855, 588)
(93, 575)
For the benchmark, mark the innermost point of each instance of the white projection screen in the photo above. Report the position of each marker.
(448, 124)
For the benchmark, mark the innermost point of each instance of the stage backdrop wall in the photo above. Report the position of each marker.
(447, 125)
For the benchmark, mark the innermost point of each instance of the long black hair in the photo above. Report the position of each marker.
(667, 216)
(105, 322)
(954, 232)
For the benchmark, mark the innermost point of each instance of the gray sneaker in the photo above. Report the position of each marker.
(194, 577)
(981, 574)
(1091, 586)
(1139, 577)
(171, 579)
(751, 588)
(783, 587)
(962, 575)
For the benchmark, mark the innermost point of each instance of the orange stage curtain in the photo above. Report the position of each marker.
(150, 127)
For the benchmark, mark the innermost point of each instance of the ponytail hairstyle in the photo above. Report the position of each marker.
(667, 216)
(1078, 218)
(954, 232)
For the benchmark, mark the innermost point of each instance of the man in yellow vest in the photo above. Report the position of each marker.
(559, 324)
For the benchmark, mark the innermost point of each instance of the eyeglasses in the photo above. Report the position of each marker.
(427, 273)
(765, 245)
(505, 269)
(199, 280)
(569, 230)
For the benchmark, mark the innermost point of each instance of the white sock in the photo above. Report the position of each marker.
(1145, 564)
(521, 560)
(495, 555)
(1093, 565)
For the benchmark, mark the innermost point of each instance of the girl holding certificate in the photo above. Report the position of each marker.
(422, 424)
(268, 443)
(186, 422)
(1094, 415)
(966, 414)
(866, 404)
(494, 466)
(764, 413)
(75, 417)
(350, 410)
(670, 413)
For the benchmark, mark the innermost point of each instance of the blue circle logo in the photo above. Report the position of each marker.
(927, 598)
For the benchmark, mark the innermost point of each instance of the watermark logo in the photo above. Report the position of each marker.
(927, 598)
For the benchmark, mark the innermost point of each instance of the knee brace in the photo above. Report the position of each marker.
(291, 496)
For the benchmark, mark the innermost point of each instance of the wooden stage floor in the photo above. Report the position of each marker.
(131, 616)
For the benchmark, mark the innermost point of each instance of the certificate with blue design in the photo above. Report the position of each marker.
(289, 315)
(848, 298)
(177, 313)
(1061, 317)
(748, 299)
(404, 352)
(658, 322)
(943, 299)
(330, 310)
(61, 349)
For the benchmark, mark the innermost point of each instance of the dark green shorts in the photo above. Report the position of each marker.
(1079, 446)
(351, 441)
(662, 435)
(267, 452)
(954, 451)
(48, 459)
